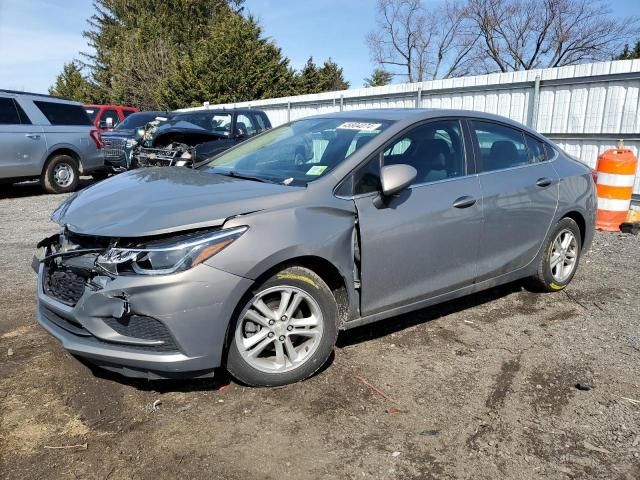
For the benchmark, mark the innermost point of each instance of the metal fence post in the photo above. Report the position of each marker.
(419, 98)
(288, 112)
(532, 118)
(341, 102)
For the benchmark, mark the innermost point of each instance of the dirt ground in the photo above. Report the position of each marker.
(482, 388)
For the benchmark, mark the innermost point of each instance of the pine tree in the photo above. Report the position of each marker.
(71, 83)
(379, 78)
(628, 54)
(166, 54)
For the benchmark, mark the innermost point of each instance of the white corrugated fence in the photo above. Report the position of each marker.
(585, 109)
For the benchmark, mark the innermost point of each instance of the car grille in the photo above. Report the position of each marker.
(156, 157)
(113, 149)
(63, 285)
(147, 328)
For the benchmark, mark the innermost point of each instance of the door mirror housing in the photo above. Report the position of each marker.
(395, 178)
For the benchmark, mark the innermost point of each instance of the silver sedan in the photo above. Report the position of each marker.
(256, 260)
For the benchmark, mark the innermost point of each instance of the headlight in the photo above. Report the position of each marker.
(163, 257)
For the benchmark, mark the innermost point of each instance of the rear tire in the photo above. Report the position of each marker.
(293, 317)
(61, 174)
(559, 258)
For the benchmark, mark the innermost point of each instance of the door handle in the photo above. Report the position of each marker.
(35, 136)
(464, 202)
(544, 182)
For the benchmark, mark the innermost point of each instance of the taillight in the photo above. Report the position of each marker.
(594, 175)
(96, 136)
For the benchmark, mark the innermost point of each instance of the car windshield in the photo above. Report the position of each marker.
(299, 152)
(211, 121)
(137, 120)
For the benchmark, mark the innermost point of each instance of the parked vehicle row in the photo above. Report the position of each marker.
(57, 140)
(255, 260)
(191, 138)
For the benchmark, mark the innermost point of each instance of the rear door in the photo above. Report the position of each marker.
(520, 196)
(424, 242)
(23, 144)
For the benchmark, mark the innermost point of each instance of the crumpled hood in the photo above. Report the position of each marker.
(153, 201)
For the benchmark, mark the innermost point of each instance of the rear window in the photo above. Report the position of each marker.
(8, 113)
(63, 113)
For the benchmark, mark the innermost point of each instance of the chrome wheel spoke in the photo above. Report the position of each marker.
(250, 342)
(304, 322)
(257, 318)
(285, 297)
(280, 357)
(264, 309)
(293, 306)
(291, 351)
(259, 348)
(307, 333)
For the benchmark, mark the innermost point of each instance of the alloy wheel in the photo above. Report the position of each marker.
(564, 255)
(280, 329)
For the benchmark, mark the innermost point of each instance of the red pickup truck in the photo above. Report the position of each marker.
(106, 117)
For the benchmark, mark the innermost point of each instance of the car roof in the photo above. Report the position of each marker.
(221, 110)
(31, 94)
(417, 114)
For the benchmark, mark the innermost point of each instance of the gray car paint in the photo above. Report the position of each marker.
(26, 148)
(416, 251)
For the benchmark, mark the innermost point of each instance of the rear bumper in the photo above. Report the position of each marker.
(193, 310)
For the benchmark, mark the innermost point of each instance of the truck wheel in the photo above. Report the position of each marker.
(61, 174)
(285, 331)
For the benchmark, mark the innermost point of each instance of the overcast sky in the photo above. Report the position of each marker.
(38, 36)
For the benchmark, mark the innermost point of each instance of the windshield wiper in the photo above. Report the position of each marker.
(234, 174)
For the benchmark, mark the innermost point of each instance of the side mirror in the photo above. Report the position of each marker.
(395, 178)
(240, 133)
(102, 124)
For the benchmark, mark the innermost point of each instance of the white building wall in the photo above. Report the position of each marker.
(583, 108)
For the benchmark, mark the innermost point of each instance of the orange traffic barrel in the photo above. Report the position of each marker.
(616, 174)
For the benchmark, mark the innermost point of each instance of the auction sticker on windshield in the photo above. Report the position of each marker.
(316, 170)
(360, 126)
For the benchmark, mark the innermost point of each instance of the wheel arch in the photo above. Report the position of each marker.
(577, 217)
(62, 150)
(326, 270)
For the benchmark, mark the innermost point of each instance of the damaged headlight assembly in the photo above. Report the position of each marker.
(167, 256)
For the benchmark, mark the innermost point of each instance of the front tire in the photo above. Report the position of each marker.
(61, 174)
(285, 330)
(559, 257)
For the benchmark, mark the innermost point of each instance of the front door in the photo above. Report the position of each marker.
(520, 196)
(424, 241)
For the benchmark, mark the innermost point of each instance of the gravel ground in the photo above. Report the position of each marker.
(483, 388)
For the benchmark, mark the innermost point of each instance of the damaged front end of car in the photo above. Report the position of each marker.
(99, 297)
(170, 146)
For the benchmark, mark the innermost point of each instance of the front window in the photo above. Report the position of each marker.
(138, 120)
(299, 152)
(213, 122)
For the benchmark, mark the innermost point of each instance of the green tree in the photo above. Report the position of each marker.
(175, 53)
(314, 79)
(330, 77)
(378, 78)
(630, 54)
(233, 63)
(71, 83)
